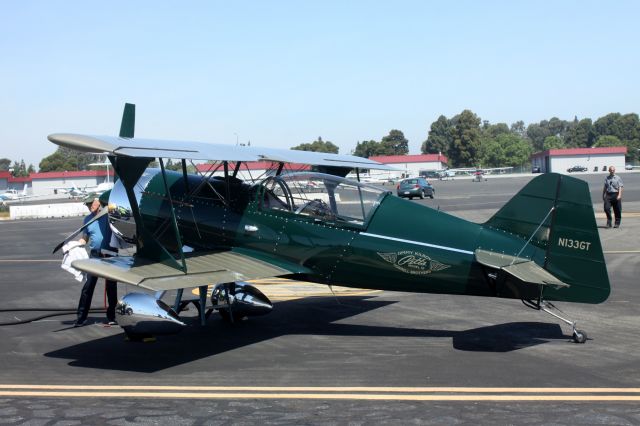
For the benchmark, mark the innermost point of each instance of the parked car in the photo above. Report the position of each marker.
(628, 167)
(577, 169)
(430, 174)
(415, 187)
(535, 169)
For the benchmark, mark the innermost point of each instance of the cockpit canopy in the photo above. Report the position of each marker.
(322, 197)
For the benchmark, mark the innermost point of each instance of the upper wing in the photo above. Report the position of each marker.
(152, 148)
(204, 269)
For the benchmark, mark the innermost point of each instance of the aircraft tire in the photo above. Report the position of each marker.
(579, 336)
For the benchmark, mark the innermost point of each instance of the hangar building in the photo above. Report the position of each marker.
(594, 159)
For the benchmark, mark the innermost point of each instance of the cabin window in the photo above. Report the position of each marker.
(322, 197)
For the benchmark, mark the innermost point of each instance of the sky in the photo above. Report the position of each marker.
(282, 73)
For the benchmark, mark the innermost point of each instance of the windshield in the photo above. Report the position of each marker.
(324, 197)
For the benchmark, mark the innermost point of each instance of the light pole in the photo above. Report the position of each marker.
(236, 138)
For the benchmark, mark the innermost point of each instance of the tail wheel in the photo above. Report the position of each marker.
(579, 336)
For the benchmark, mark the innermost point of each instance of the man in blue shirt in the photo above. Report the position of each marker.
(98, 236)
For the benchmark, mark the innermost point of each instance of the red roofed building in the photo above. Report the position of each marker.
(594, 159)
(46, 182)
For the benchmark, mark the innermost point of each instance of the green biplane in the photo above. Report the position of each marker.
(214, 229)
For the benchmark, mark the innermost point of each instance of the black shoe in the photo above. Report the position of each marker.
(80, 323)
(617, 225)
(608, 224)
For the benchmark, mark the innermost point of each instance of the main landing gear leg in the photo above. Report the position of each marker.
(579, 336)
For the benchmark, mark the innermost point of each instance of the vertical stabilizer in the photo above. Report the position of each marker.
(127, 127)
(555, 214)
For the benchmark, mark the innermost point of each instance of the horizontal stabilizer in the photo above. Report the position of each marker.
(523, 269)
(203, 269)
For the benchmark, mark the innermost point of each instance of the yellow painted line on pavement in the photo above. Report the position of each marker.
(333, 393)
(449, 389)
(302, 396)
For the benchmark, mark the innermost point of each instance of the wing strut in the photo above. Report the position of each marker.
(129, 169)
(184, 175)
(173, 216)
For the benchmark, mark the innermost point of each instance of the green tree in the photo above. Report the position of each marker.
(626, 128)
(439, 137)
(493, 130)
(558, 127)
(465, 139)
(506, 149)
(65, 159)
(19, 169)
(553, 142)
(517, 149)
(607, 141)
(367, 149)
(394, 144)
(538, 132)
(5, 164)
(31, 169)
(581, 134)
(318, 146)
(519, 129)
(607, 125)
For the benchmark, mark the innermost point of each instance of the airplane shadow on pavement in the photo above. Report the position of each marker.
(308, 317)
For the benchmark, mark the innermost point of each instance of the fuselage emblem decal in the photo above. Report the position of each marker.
(413, 262)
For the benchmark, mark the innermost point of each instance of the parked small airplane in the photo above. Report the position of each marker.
(473, 171)
(200, 230)
(11, 195)
(75, 192)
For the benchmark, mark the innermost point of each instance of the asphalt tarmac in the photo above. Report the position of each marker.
(370, 358)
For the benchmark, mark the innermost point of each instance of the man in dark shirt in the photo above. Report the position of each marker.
(98, 236)
(612, 197)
